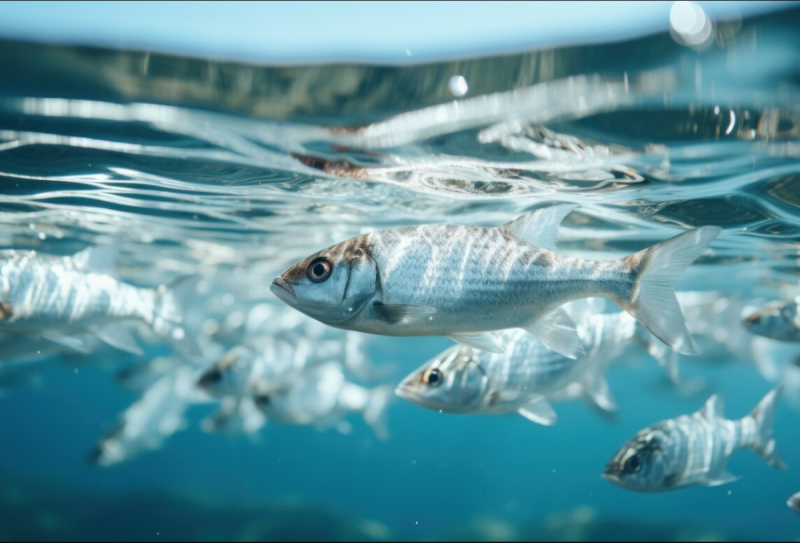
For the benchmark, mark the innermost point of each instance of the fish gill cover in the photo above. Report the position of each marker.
(429, 301)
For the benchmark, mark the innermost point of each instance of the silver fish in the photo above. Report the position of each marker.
(149, 421)
(794, 503)
(78, 294)
(525, 377)
(264, 365)
(463, 281)
(778, 320)
(322, 396)
(694, 449)
(236, 416)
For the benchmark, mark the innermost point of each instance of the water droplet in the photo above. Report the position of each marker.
(42, 236)
(408, 53)
(75, 370)
(413, 462)
(458, 86)
(350, 309)
(228, 299)
(178, 334)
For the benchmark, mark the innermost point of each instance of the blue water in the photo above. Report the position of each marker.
(234, 172)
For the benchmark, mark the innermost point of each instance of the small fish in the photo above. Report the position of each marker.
(462, 282)
(267, 364)
(77, 294)
(149, 421)
(322, 396)
(794, 503)
(778, 320)
(525, 377)
(236, 416)
(694, 449)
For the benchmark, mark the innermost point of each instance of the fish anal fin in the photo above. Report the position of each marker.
(539, 411)
(118, 337)
(557, 332)
(721, 479)
(484, 341)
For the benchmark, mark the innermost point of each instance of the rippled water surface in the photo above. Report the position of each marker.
(234, 172)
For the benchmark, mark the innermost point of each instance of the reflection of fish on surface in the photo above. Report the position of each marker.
(527, 376)
(463, 282)
(694, 449)
(78, 294)
(322, 397)
(150, 420)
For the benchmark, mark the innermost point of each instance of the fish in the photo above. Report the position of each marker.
(526, 377)
(465, 282)
(694, 449)
(263, 365)
(146, 424)
(322, 397)
(236, 416)
(778, 320)
(794, 502)
(71, 295)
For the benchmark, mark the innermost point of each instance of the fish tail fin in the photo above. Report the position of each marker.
(168, 318)
(652, 300)
(764, 418)
(375, 410)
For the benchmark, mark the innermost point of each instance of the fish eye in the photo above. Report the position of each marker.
(262, 399)
(434, 377)
(319, 269)
(633, 464)
(755, 319)
(211, 377)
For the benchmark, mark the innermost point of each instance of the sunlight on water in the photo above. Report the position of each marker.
(230, 173)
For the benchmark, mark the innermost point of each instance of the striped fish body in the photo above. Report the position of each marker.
(52, 293)
(694, 449)
(464, 281)
(477, 279)
(698, 448)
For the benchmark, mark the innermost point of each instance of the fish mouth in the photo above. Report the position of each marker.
(610, 477)
(282, 289)
(408, 394)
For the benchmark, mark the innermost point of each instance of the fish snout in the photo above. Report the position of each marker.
(209, 378)
(281, 283)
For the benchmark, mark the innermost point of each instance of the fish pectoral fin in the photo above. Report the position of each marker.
(721, 479)
(118, 337)
(397, 313)
(558, 333)
(540, 227)
(73, 343)
(539, 411)
(485, 341)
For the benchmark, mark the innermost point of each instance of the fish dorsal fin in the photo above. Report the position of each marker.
(713, 408)
(539, 411)
(558, 333)
(485, 341)
(540, 227)
(100, 259)
(397, 313)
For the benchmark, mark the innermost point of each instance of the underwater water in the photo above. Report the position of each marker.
(229, 174)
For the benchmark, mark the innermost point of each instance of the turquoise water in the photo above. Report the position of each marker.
(234, 172)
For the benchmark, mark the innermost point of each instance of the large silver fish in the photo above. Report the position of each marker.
(694, 449)
(55, 295)
(525, 377)
(236, 416)
(777, 320)
(794, 502)
(322, 396)
(464, 281)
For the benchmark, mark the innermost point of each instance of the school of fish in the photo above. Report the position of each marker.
(532, 328)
